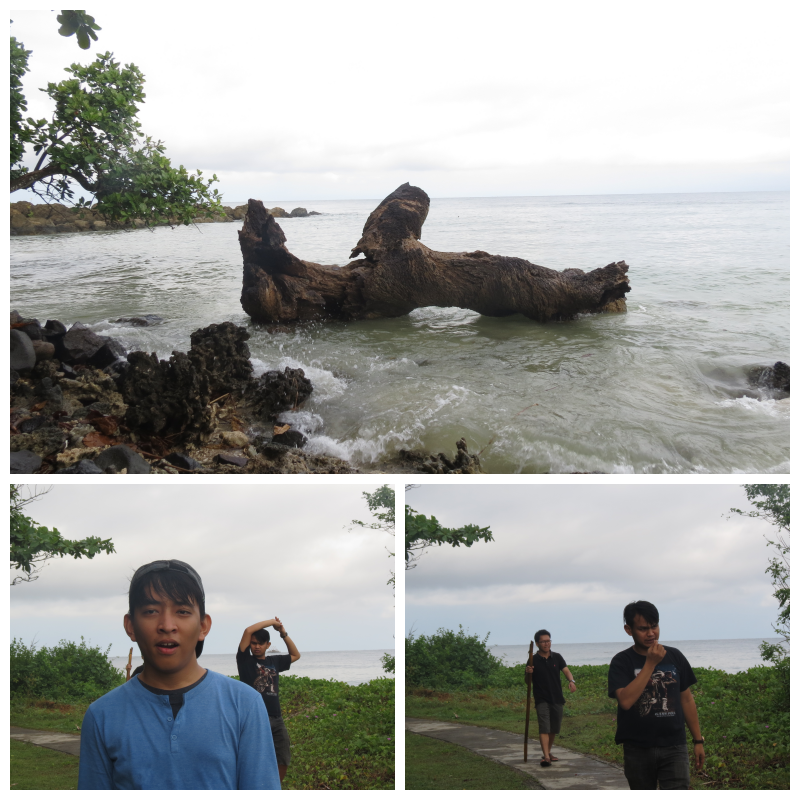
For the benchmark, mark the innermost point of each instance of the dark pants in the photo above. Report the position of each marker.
(657, 767)
(280, 738)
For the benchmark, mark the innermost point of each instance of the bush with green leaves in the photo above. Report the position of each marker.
(67, 672)
(450, 660)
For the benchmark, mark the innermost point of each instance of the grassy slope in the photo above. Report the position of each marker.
(747, 746)
(431, 764)
(342, 736)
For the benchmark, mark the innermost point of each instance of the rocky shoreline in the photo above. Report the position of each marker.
(80, 404)
(31, 219)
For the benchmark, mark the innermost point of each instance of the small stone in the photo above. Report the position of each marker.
(83, 467)
(235, 439)
(121, 457)
(43, 350)
(25, 462)
(236, 461)
(183, 461)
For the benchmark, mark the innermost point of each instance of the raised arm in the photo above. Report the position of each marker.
(629, 694)
(248, 632)
(290, 645)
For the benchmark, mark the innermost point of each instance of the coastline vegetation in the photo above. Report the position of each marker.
(342, 736)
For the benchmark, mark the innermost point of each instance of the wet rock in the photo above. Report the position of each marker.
(83, 346)
(235, 461)
(121, 457)
(54, 328)
(221, 351)
(24, 462)
(290, 438)
(462, 464)
(166, 397)
(144, 321)
(775, 377)
(23, 356)
(279, 391)
(183, 461)
(82, 467)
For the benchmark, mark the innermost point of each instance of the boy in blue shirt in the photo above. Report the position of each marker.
(175, 725)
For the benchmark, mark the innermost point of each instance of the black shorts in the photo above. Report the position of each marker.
(280, 737)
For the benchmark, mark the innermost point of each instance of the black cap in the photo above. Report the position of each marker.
(173, 565)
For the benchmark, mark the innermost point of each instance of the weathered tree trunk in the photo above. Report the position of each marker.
(398, 274)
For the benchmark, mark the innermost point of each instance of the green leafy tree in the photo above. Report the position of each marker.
(95, 140)
(80, 23)
(771, 501)
(381, 505)
(423, 532)
(33, 544)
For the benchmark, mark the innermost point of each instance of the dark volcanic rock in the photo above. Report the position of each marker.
(145, 321)
(291, 438)
(183, 461)
(32, 424)
(54, 328)
(24, 462)
(775, 377)
(82, 467)
(280, 391)
(83, 346)
(462, 464)
(236, 461)
(23, 356)
(121, 457)
(222, 353)
(166, 397)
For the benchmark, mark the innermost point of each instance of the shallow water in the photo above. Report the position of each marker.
(661, 389)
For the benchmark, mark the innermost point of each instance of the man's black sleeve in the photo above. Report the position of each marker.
(282, 662)
(246, 667)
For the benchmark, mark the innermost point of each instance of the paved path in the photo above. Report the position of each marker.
(572, 771)
(64, 742)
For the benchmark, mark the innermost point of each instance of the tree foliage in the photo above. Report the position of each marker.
(80, 23)
(95, 140)
(423, 532)
(772, 503)
(33, 544)
(381, 506)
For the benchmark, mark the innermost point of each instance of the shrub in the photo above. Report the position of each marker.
(67, 672)
(450, 660)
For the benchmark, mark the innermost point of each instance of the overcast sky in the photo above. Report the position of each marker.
(569, 558)
(313, 100)
(261, 551)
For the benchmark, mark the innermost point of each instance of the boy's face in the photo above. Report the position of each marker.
(544, 644)
(167, 632)
(258, 649)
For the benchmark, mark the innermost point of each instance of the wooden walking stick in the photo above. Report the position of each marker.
(529, 681)
(128, 666)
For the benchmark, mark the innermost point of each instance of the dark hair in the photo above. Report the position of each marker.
(642, 608)
(538, 635)
(177, 586)
(261, 636)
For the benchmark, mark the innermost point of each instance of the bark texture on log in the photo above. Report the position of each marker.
(398, 273)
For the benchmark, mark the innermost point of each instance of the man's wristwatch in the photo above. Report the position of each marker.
(572, 682)
(284, 635)
(701, 740)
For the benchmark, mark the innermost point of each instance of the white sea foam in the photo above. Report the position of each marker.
(772, 408)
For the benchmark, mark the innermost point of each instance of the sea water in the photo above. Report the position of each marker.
(731, 655)
(349, 666)
(660, 389)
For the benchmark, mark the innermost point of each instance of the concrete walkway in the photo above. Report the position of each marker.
(64, 742)
(572, 771)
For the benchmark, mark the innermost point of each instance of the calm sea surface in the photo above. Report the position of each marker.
(661, 389)
(350, 666)
(731, 655)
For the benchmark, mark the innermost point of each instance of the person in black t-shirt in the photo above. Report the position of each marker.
(651, 685)
(261, 671)
(547, 695)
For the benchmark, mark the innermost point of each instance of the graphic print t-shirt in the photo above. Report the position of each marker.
(262, 675)
(656, 718)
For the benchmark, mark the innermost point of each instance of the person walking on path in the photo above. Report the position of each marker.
(650, 683)
(261, 671)
(175, 725)
(547, 695)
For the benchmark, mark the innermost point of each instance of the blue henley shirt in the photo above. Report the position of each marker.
(221, 739)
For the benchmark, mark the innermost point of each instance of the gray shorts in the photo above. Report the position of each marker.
(549, 715)
(280, 737)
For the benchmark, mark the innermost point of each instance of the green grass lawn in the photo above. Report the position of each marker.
(432, 764)
(747, 744)
(34, 767)
(342, 736)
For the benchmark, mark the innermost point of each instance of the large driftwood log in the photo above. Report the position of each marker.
(398, 273)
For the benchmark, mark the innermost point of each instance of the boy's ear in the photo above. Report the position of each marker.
(205, 627)
(127, 623)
